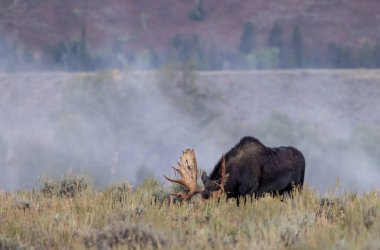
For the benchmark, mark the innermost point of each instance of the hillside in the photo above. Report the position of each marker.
(134, 26)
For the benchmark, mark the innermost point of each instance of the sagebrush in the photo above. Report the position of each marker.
(124, 217)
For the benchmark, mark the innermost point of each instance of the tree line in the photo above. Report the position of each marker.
(280, 51)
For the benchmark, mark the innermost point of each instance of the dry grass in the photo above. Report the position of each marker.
(125, 218)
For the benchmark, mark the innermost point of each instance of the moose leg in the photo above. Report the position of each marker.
(287, 190)
(258, 194)
(237, 201)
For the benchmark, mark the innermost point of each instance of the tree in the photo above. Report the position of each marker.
(275, 41)
(376, 54)
(247, 41)
(187, 49)
(296, 48)
(275, 37)
(83, 54)
(366, 58)
(340, 56)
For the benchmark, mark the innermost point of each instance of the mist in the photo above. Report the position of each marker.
(115, 126)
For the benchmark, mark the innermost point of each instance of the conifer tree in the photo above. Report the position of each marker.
(275, 41)
(247, 39)
(296, 48)
(275, 37)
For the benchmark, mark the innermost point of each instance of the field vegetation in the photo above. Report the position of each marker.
(71, 214)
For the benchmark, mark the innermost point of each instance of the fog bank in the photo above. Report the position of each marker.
(131, 125)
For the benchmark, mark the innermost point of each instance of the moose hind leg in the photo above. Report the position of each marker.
(287, 190)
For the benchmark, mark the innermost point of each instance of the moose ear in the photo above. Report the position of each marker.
(205, 178)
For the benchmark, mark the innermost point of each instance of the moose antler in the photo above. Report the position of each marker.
(188, 170)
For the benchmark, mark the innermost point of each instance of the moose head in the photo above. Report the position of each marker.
(188, 170)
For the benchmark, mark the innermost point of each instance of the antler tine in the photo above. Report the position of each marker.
(173, 180)
(222, 172)
(176, 169)
(223, 169)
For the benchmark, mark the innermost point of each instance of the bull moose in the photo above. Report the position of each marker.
(249, 168)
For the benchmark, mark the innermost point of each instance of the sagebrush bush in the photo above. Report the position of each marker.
(10, 244)
(69, 186)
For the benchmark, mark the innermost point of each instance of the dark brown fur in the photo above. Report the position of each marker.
(254, 169)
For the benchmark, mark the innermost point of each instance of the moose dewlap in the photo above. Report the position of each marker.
(249, 168)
